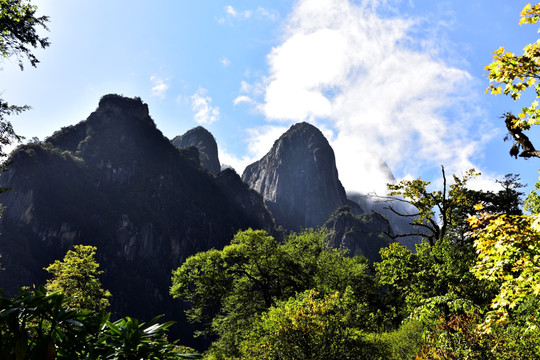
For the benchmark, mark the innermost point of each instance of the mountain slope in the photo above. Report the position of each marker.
(204, 141)
(114, 181)
(361, 234)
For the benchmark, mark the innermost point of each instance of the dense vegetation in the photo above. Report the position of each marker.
(301, 299)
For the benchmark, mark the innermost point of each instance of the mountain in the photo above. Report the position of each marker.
(361, 234)
(115, 182)
(298, 179)
(204, 141)
(400, 224)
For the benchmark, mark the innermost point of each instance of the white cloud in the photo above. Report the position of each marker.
(386, 94)
(486, 183)
(269, 14)
(260, 141)
(225, 62)
(259, 13)
(243, 99)
(159, 86)
(237, 163)
(245, 87)
(231, 11)
(201, 104)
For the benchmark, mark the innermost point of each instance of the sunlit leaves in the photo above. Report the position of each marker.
(532, 202)
(508, 249)
(512, 74)
(439, 211)
(310, 326)
(530, 14)
(76, 276)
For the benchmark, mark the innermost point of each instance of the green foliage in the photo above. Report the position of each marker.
(17, 31)
(38, 326)
(18, 25)
(310, 326)
(512, 75)
(18, 34)
(460, 337)
(437, 276)
(532, 202)
(403, 343)
(518, 73)
(434, 281)
(508, 255)
(313, 326)
(475, 294)
(32, 323)
(455, 338)
(440, 212)
(76, 276)
(229, 289)
(128, 338)
(7, 133)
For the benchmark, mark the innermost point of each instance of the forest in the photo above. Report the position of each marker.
(469, 290)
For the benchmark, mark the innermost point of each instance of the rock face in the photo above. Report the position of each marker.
(298, 179)
(250, 201)
(114, 181)
(204, 141)
(361, 234)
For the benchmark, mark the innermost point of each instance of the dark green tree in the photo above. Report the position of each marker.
(229, 289)
(35, 325)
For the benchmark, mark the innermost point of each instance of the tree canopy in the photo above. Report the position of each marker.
(229, 289)
(76, 276)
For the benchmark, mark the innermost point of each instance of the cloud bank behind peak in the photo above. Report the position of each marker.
(380, 86)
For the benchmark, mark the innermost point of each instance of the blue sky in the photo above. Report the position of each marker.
(385, 80)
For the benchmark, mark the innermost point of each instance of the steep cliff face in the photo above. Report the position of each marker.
(204, 141)
(298, 178)
(114, 181)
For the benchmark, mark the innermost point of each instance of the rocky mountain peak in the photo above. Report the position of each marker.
(298, 178)
(205, 142)
(121, 104)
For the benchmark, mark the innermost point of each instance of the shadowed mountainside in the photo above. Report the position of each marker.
(114, 181)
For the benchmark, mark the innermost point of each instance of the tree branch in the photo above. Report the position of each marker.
(521, 140)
